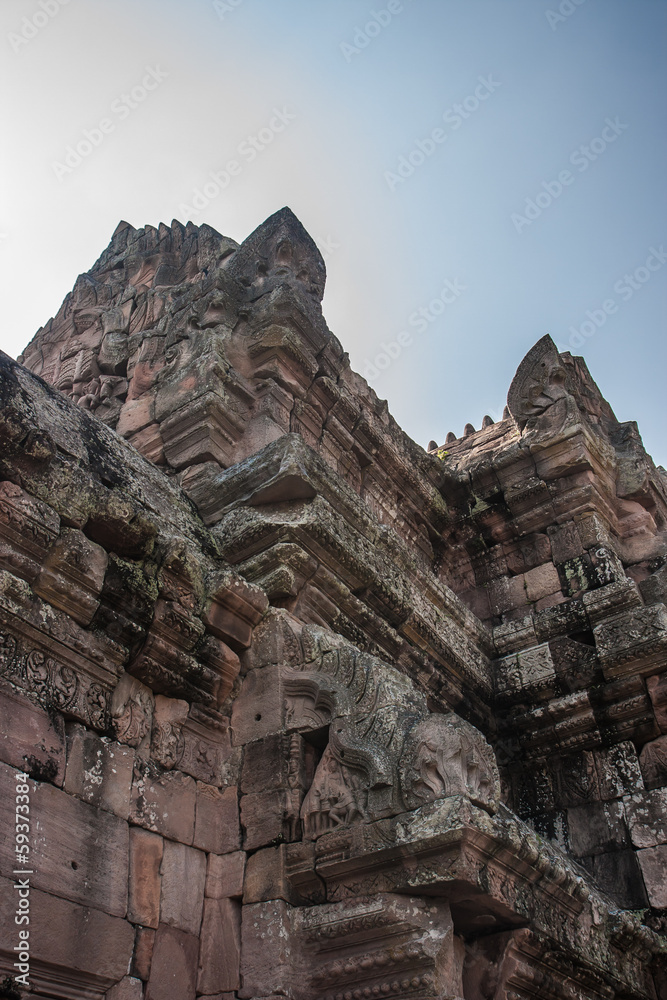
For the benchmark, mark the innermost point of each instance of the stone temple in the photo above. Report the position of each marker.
(301, 710)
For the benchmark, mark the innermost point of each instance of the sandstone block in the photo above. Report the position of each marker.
(174, 966)
(550, 601)
(217, 827)
(99, 771)
(618, 874)
(28, 528)
(265, 764)
(507, 593)
(183, 873)
(597, 828)
(618, 771)
(653, 863)
(128, 988)
(220, 946)
(653, 762)
(282, 872)
(657, 691)
(566, 542)
(144, 890)
(542, 581)
(268, 957)
(135, 415)
(30, 739)
(72, 575)
(224, 875)
(164, 803)
(647, 817)
(259, 708)
(77, 851)
(73, 938)
(264, 818)
(143, 953)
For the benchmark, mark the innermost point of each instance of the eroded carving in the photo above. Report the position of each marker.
(336, 797)
(445, 756)
(538, 384)
(131, 711)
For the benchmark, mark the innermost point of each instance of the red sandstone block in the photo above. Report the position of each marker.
(128, 988)
(144, 890)
(224, 875)
(99, 771)
(263, 816)
(77, 852)
(144, 942)
(653, 863)
(550, 601)
(265, 764)
(72, 938)
(542, 581)
(183, 873)
(135, 415)
(220, 946)
(265, 876)
(174, 966)
(165, 804)
(259, 709)
(149, 442)
(217, 828)
(72, 575)
(30, 739)
(267, 957)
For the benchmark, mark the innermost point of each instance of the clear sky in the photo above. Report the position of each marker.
(477, 173)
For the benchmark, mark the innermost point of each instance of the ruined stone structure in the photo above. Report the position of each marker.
(306, 710)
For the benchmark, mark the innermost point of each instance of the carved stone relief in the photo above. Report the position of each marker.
(444, 755)
(132, 705)
(336, 798)
(539, 383)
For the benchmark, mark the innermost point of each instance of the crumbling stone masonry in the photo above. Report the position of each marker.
(306, 710)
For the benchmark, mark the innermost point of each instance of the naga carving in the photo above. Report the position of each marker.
(538, 384)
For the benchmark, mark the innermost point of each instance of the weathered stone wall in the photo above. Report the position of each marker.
(307, 711)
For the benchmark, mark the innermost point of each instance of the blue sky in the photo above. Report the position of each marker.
(478, 173)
